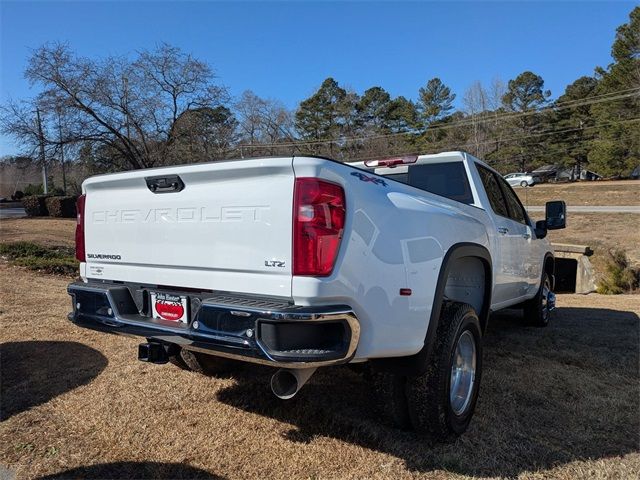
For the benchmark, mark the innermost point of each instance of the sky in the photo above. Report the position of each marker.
(284, 50)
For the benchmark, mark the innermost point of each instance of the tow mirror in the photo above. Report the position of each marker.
(555, 215)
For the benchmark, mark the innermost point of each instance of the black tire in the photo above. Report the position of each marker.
(536, 311)
(524, 184)
(203, 363)
(428, 395)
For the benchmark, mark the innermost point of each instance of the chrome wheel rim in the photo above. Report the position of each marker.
(463, 373)
(546, 289)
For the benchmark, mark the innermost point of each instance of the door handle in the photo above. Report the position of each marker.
(526, 236)
(168, 184)
(503, 230)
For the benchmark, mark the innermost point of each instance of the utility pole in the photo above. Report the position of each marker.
(60, 139)
(42, 157)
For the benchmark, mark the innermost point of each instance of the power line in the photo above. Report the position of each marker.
(608, 97)
(448, 126)
(467, 122)
(539, 134)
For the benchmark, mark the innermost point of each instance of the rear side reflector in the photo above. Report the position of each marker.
(80, 250)
(318, 224)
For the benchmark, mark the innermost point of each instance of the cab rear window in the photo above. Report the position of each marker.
(447, 179)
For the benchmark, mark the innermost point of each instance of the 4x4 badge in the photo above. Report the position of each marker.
(366, 178)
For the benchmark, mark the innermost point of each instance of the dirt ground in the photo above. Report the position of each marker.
(561, 402)
(622, 192)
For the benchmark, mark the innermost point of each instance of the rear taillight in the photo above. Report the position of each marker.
(80, 251)
(318, 223)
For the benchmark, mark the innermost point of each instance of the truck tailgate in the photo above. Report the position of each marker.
(228, 229)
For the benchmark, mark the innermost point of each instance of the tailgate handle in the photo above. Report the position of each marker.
(165, 184)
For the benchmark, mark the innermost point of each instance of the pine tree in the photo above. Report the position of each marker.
(573, 115)
(325, 115)
(525, 95)
(373, 110)
(616, 149)
(435, 101)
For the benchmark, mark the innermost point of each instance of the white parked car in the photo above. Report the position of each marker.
(304, 262)
(520, 179)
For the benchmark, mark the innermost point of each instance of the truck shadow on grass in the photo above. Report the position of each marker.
(34, 372)
(548, 397)
(126, 470)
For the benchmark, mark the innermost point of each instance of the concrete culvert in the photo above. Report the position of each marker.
(573, 272)
(566, 271)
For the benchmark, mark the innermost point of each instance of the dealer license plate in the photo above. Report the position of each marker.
(166, 306)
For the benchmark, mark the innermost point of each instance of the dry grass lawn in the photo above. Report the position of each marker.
(601, 231)
(622, 192)
(46, 231)
(561, 402)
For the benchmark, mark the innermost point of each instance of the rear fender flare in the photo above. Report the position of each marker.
(415, 364)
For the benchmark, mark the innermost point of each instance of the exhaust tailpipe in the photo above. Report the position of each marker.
(285, 383)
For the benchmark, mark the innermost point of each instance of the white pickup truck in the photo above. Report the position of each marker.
(304, 262)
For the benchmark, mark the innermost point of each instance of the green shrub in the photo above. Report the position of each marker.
(61, 206)
(35, 205)
(619, 276)
(56, 260)
(39, 189)
(21, 249)
(33, 190)
(29, 249)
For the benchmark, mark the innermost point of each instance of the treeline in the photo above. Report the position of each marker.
(166, 107)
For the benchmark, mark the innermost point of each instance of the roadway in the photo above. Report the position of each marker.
(12, 213)
(594, 209)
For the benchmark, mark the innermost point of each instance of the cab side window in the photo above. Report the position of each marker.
(516, 210)
(494, 192)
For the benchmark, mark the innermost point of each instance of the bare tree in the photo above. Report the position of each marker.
(263, 121)
(202, 134)
(16, 172)
(19, 120)
(475, 103)
(495, 94)
(131, 107)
